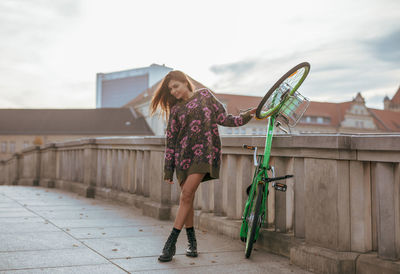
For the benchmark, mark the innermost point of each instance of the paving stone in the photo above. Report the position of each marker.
(25, 213)
(216, 262)
(118, 232)
(36, 241)
(59, 208)
(94, 214)
(87, 269)
(22, 227)
(226, 269)
(31, 203)
(9, 204)
(110, 222)
(37, 219)
(52, 231)
(49, 258)
(151, 245)
(13, 209)
(76, 214)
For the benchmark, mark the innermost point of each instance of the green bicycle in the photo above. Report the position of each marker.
(281, 104)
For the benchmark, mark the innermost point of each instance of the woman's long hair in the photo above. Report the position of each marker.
(162, 97)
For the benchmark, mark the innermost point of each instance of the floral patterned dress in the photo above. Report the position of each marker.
(193, 142)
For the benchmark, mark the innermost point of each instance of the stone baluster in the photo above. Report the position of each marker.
(30, 173)
(90, 157)
(147, 168)
(387, 199)
(299, 197)
(2, 172)
(48, 166)
(229, 182)
(327, 220)
(139, 170)
(154, 186)
(16, 168)
(360, 206)
(159, 192)
(131, 171)
(284, 201)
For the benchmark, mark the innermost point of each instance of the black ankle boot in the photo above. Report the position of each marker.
(170, 247)
(192, 246)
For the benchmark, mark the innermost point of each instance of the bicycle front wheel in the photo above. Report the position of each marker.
(281, 90)
(254, 221)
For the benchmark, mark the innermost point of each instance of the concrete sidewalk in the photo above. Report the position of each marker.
(53, 231)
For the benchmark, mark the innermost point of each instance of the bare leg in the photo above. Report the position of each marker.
(189, 219)
(189, 222)
(186, 200)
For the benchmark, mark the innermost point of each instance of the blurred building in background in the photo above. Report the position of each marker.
(21, 128)
(321, 117)
(115, 89)
(394, 103)
(123, 101)
(348, 117)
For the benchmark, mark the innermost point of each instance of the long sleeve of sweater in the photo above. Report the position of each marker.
(225, 119)
(171, 139)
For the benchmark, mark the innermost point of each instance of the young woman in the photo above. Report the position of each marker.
(193, 146)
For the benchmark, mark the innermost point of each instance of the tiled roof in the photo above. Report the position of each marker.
(335, 111)
(103, 121)
(235, 103)
(396, 97)
(386, 120)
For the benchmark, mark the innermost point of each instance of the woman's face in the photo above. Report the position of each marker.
(179, 89)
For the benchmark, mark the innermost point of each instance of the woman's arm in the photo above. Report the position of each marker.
(171, 137)
(225, 119)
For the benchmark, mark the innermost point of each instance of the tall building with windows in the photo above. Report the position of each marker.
(115, 89)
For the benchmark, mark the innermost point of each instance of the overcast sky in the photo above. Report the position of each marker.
(51, 50)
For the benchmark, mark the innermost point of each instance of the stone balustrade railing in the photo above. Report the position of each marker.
(345, 196)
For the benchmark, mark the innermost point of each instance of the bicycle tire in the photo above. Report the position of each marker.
(254, 224)
(275, 108)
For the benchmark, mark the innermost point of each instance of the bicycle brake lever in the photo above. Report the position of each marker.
(279, 125)
(273, 171)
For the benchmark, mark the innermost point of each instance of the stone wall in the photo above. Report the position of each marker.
(343, 201)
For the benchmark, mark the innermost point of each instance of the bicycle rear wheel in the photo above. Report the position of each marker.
(284, 87)
(254, 221)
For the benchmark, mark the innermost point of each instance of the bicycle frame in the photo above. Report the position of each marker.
(259, 176)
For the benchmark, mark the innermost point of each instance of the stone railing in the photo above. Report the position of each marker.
(343, 201)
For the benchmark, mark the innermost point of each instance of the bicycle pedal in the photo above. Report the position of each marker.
(280, 187)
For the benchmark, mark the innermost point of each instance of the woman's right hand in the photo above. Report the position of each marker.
(169, 181)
